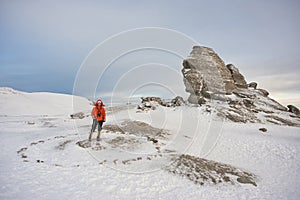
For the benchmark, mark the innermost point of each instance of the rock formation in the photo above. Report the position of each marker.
(205, 73)
(150, 103)
(202, 171)
(208, 80)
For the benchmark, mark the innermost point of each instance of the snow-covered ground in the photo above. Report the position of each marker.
(41, 160)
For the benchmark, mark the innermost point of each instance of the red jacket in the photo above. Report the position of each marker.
(98, 113)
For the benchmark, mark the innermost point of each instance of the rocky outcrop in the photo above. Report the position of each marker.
(205, 73)
(155, 99)
(151, 103)
(202, 171)
(208, 79)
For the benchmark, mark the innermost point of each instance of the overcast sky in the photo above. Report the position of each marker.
(44, 43)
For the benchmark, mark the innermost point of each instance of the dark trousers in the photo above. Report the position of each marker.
(95, 123)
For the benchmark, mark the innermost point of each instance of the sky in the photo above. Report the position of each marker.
(45, 45)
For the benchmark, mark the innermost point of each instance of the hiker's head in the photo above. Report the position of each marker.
(100, 103)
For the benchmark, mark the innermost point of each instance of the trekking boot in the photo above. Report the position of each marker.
(90, 136)
(98, 136)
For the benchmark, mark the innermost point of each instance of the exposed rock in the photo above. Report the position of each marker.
(252, 85)
(205, 72)
(194, 99)
(263, 129)
(248, 103)
(251, 106)
(263, 92)
(137, 128)
(79, 115)
(201, 101)
(178, 101)
(202, 171)
(194, 82)
(156, 99)
(209, 80)
(245, 94)
(293, 109)
(238, 78)
(150, 103)
(280, 120)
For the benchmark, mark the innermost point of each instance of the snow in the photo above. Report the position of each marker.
(18, 103)
(37, 126)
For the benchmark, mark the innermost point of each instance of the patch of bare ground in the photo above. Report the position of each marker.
(137, 128)
(202, 171)
(124, 143)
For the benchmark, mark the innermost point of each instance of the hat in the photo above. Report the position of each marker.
(99, 102)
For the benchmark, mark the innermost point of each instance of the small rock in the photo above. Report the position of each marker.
(79, 115)
(169, 104)
(141, 106)
(293, 109)
(252, 85)
(246, 180)
(248, 103)
(23, 156)
(201, 101)
(263, 129)
(238, 78)
(178, 101)
(147, 104)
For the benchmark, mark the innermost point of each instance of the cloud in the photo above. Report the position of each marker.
(260, 37)
(284, 87)
(280, 82)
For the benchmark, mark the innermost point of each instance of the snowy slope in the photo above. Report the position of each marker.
(13, 102)
(41, 160)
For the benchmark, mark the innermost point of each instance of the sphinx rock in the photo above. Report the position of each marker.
(205, 73)
(209, 81)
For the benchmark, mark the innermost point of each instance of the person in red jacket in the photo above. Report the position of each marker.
(99, 116)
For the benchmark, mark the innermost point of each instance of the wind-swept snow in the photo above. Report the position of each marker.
(18, 103)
